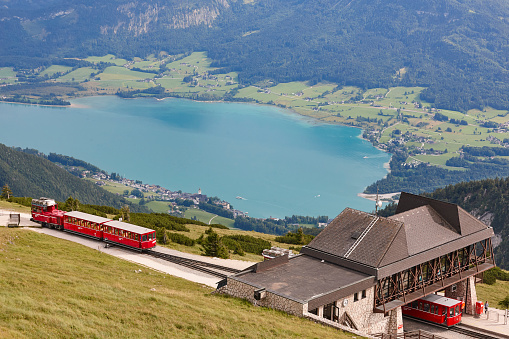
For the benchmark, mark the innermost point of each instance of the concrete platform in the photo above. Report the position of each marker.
(491, 322)
(24, 219)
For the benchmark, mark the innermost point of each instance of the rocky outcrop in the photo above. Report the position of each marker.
(141, 17)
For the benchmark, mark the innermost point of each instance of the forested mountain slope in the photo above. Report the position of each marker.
(32, 176)
(456, 48)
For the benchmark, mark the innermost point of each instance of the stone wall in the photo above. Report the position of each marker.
(362, 315)
(465, 291)
(238, 289)
(360, 311)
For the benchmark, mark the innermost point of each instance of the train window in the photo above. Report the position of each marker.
(144, 237)
(136, 237)
(432, 309)
(414, 304)
(444, 310)
(457, 309)
(426, 307)
(451, 312)
(420, 306)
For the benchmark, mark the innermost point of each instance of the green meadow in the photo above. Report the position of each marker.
(53, 288)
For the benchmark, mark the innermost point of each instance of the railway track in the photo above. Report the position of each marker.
(459, 329)
(473, 334)
(201, 266)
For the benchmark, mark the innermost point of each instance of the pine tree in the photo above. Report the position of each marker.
(6, 192)
(72, 204)
(125, 213)
(213, 247)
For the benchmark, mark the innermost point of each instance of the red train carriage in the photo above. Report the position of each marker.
(84, 224)
(436, 309)
(127, 235)
(45, 211)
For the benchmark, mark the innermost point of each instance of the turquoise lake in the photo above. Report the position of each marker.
(281, 163)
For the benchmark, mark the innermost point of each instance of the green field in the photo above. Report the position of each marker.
(207, 217)
(79, 75)
(7, 72)
(7, 75)
(122, 73)
(52, 288)
(493, 293)
(55, 69)
(107, 58)
(158, 206)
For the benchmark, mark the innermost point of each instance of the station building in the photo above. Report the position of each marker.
(359, 271)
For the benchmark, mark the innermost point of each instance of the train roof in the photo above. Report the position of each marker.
(44, 202)
(441, 300)
(88, 217)
(128, 227)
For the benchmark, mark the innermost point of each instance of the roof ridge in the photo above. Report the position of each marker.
(401, 226)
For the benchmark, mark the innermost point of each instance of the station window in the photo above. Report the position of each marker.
(356, 297)
(363, 294)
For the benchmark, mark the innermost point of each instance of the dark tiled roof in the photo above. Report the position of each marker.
(425, 229)
(358, 236)
(304, 278)
(421, 230)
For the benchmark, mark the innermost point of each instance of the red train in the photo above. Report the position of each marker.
(46, 212)
(436, 309)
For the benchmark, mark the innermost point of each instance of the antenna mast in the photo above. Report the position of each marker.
(378, 202)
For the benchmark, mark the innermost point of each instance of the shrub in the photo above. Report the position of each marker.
(248, 243)
(181, 239)
(489, 277)
(297, 238)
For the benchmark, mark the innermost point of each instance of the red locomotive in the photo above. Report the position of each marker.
(436, 309)
(46, 212)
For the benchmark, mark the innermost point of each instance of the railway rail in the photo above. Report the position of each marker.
(198, 265)
(459, 329)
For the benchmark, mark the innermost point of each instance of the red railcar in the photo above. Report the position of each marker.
(128, 235)
(45, 211)
(84, 224)
(436, 309)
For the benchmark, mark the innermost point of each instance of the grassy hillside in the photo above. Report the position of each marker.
(103, 297)
(32, 176)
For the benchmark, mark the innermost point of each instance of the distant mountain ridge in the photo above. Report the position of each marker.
(456, 48)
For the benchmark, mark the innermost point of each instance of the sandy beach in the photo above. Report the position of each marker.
(382, 197)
